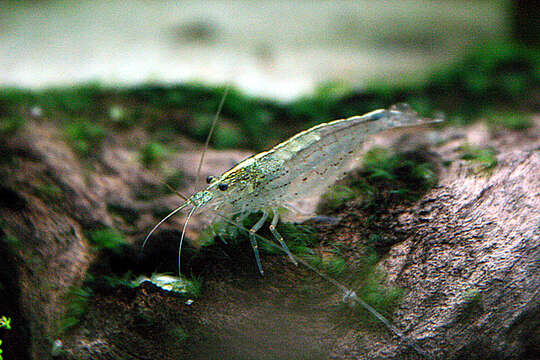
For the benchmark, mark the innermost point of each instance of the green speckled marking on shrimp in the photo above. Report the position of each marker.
(308, 162)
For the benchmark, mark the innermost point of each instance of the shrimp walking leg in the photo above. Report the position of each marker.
(278, 236)
(253, 241)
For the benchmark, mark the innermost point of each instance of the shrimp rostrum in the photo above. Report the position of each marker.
(308, 162)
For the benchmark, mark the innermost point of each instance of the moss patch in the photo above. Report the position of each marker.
(152, 154)
(107, 238)
(84, 136)
(49, 192)
(369, 282)
(224, 242)
(497, 77)
(298, 237)
(482, 159)
(510, 120)
(10, 125)
(77, 302)
(5, 322)
(336, 197)
(471, 306)
(385, 178)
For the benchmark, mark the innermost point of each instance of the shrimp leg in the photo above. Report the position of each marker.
(253, 241)
(278, 236)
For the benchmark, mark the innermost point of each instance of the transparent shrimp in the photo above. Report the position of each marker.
(307, 163)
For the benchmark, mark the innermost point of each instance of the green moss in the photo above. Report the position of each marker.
(227, 136)
(484, 159)
(411, 169)
(5, 323)
(369, 281)
(472, 296)
(335, 197)
(107, 238)
(13, 98)
(49, 192)
(152, 154)
(510, 120)
(384, 178)
(334, 265)
(300, 238)
(207, 235)
(499, 73)
(126, 280)
(122, 116)
(366, 278)
(75, 100)
(380, 164)
(77, 303)
(194, 287)
(84, 136)
(10, 125)
(406, 174)
(117, 113)
(10, 240)
(493, 74)
(313, 110)
(472, 305)
(200, 127)
(381, 297)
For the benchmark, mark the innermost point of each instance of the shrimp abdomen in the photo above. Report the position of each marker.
(319, 156)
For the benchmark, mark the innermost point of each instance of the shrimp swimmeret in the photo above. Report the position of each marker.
(308, 162)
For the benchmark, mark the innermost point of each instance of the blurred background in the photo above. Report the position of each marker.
(276, 48)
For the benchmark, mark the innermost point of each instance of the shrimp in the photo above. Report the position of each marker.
(308, 162)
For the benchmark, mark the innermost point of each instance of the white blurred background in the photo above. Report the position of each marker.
(274, 48)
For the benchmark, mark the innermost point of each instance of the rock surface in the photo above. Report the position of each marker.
(468, 260)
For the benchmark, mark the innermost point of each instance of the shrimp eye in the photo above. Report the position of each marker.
(210, 179)
(223, 186)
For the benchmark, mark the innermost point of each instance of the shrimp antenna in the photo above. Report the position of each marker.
(179, 194)
(214, 122)
(163, 220)
(183, 233)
